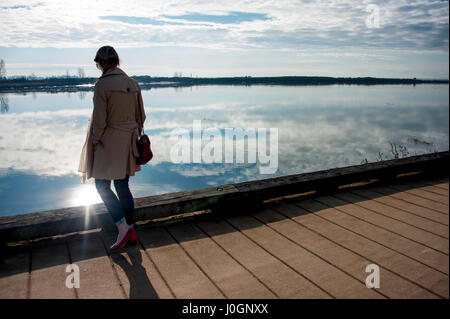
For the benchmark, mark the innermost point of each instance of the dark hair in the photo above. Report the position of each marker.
(107, 57)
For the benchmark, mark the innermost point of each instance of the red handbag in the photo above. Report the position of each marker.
(143, 146)
(145, 150)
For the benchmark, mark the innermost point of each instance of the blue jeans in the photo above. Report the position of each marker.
(119, 208)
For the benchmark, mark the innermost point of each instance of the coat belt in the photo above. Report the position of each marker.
(130, 127)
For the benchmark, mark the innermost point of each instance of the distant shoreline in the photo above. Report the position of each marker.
(75, 84)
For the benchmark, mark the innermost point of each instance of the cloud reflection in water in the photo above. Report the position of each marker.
(318, 128)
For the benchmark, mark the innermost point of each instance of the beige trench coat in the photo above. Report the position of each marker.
(110, 151)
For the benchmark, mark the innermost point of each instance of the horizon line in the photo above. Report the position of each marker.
(220, 77)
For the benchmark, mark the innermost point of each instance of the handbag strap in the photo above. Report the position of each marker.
(140, 114)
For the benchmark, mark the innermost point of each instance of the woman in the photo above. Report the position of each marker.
(110, 150)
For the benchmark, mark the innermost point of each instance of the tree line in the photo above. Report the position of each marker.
(72, 83)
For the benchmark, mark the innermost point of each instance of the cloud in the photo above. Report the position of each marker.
(139, 20)
(233, 24)
(27, 7)
(231, 17)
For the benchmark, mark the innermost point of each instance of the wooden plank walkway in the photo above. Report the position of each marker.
(313, 247)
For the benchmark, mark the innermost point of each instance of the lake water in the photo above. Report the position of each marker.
(318, 127)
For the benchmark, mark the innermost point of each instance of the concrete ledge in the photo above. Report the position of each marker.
(224, 198)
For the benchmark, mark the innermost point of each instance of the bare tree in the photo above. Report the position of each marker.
(81, 73)
(2, 69)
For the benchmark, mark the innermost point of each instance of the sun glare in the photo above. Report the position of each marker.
(85, 195)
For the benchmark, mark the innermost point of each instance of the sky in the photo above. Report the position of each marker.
(380, 38)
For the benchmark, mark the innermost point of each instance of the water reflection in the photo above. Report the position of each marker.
(84, 195)
(4, 105)
(81, 95)
(42, 143)
(318, 128)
